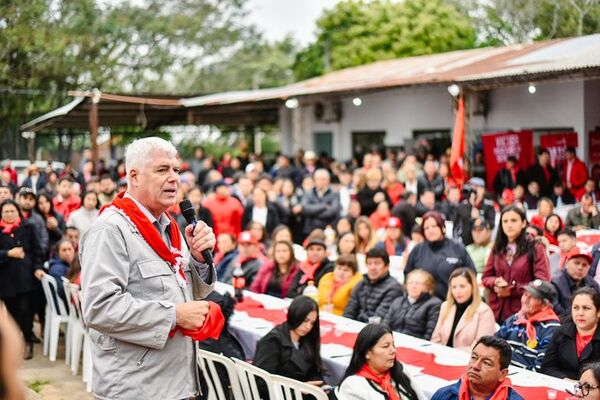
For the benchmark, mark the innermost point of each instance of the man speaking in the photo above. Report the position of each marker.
(142, 287)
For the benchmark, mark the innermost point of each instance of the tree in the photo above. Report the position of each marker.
(256, 64)
(357, 32)
(503, 22)
(50, 47)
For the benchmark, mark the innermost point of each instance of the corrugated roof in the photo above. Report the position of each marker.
(457, 66)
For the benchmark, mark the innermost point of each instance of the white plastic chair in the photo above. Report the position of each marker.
(248, 374)
(290, 389)
(55, 316)
(208, 364)
(75, 326)
(87, 367)
(72, 324)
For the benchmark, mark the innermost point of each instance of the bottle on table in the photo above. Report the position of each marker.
(311, 291)
(239, 283)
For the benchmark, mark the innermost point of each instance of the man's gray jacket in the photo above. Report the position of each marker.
(128, 299)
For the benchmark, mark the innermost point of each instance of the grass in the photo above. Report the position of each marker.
(37, 385)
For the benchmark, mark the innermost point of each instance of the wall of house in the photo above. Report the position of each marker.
(574, 104)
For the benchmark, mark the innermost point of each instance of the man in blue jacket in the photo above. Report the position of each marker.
(486, 376)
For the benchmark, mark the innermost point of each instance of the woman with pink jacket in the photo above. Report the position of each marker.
(464, 317)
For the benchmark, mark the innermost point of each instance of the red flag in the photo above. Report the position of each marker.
(458, 145)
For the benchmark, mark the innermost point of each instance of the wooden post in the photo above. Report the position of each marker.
(94, 122)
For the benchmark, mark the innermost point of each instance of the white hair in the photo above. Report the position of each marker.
(137, 153)
(322, 171)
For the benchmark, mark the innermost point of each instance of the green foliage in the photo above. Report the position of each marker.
(256, 64)
(502, 22)
(37, 385)
(56, 46)
(357, 32)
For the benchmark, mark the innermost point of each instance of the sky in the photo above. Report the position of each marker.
(276, 18)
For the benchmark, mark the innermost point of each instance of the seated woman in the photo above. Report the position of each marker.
(416, 313)
(464, 318)
(552, 226)
(365, 235)
(577, 341)
(589, 382)
(346, 244)
(275, 276)
(293, 348)
(61, 265)
(374, 372)
(335, 287)
(545, 208)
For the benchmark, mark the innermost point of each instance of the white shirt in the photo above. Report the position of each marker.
(259, 214)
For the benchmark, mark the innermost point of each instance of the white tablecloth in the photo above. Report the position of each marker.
(336, 357)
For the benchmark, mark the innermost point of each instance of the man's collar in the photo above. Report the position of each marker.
(164, 220)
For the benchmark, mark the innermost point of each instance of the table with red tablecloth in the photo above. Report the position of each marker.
(430, 365)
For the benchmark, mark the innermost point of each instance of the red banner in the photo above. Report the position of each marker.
(594, 147)
(556, 144)
(497, 147)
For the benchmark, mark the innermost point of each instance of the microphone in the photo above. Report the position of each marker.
(188, 212)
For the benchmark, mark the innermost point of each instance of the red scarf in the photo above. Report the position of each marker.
(383, 381)
(151, 235)
(309, 270)
(501, 392)
(10, 228)
(212, 327)
(546, 314)
(335, 285)
(581, 342)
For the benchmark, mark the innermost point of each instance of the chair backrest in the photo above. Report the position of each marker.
(68, 288)
(50, 291)
(217, 389)
(248, 375)
(290, 389)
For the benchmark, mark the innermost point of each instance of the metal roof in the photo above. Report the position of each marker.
(575, 58)
(538, 59)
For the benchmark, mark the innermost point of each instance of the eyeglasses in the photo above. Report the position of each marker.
(585, 388)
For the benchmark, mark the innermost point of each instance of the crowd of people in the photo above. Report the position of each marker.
(476, 269)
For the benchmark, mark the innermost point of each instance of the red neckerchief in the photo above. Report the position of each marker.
(501, 392)
(212, 327)
(10, 228)
(26, 214)
(390, 246)
(151, 235)
(335, 285)
(546, 314)
(581, 342)
(383, 381)
(309, 269)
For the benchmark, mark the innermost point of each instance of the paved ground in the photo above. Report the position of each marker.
(53, 380)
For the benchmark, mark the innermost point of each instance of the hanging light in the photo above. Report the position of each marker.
(454, 90)
(357, 101)
(531, 88)
(291, 103)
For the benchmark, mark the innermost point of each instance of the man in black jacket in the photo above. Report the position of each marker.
(431, 180)
(473, 207)
(572, 277)
(373, 296)
(509, 177)
(321, 205)
(543, 173)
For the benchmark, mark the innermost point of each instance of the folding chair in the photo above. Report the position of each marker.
(72, 324)
(55, 316)
(208, 363)
(248, 375)
(290, 389)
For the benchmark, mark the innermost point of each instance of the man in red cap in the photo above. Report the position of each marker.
(250, 258)
(395, 242)
(572, 277)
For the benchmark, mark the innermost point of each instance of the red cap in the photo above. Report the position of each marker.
(394, 222)
(247, 237)
(577, 252)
